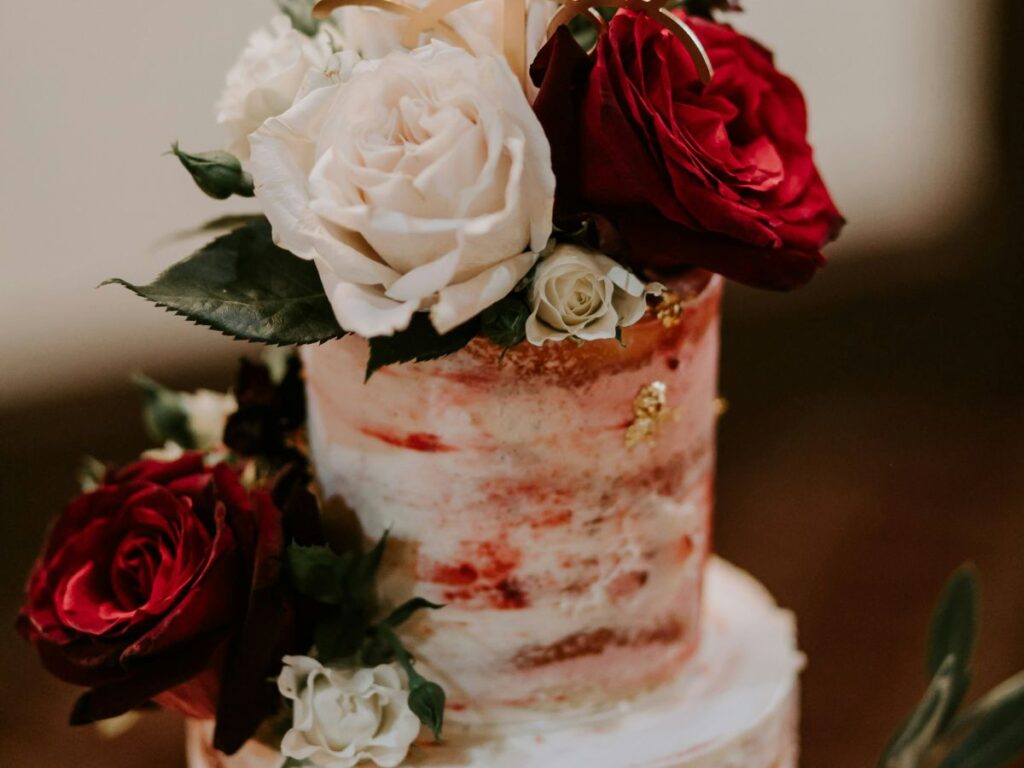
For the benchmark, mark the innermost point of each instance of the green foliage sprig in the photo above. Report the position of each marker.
(245, 286)
(987, 734)
(344, 588)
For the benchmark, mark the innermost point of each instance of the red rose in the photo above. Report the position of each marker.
(149, 587)
(719, 177)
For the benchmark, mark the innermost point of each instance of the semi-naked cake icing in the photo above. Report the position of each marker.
(565, 522)
(735, 707)
(565, 535)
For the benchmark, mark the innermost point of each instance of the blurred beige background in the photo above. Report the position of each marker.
(94, 92)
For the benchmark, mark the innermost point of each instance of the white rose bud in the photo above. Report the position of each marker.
(208, 413)
(264, 81)
(340, 718)
(584, 295)
(421, 181)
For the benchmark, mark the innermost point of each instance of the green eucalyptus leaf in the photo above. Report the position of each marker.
(243, 285)
(913, 739)
(418, 343)
(164, 414)
(954, 629)
(504, 323)
(427, 700)
(219, 174)
(991, 731)
(407, 610)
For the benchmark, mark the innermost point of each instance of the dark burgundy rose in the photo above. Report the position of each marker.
(146, 591)
(719, 177)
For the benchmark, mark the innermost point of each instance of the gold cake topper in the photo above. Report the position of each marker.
(431, 18)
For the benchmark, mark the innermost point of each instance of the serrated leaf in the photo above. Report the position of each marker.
(910, 743)
(219, 174)
(164, 414)
(243, 285)
(992, 730)
(407, 610)
(954, 628)
(418, 343)
(504, 323)
(427, 701)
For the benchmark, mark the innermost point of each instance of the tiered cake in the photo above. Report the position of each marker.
(468, 523)
(558, 501)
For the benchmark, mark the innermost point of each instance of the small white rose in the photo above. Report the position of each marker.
(419, 181)
(584, 295)
(208, 413)
(264, 81)
(340, 718)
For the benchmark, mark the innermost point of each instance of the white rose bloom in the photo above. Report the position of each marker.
(264, 81)
(585, 295)
(373, 33)
(422, 181)
(340, 718)
(208, 412)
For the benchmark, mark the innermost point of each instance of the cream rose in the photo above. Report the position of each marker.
(340, 718)
(421, 181)
(585, 295)
(374, 33)
(264, 81)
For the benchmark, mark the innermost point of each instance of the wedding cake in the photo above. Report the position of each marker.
(469, 523)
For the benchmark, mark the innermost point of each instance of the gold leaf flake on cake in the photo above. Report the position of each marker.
(650, 408)
(670, 309)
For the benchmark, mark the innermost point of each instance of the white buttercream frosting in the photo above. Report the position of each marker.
(569, 559)
(735, 706)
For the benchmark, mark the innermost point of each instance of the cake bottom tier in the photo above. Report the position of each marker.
(736, 706)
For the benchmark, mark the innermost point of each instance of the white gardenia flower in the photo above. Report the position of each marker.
(421, 181)
(208, 413)
(341, 717)
(585, 295)
(264, 81)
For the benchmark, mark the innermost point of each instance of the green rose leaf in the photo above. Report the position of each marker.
(219, 174)
(954, 629)
(292, 762)
(164, 414)
(994, 728)
(345, 586)
(243, 285)
(504, 323)
(418, 343)
(338, 636)
(427, 700)
(407, 610)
